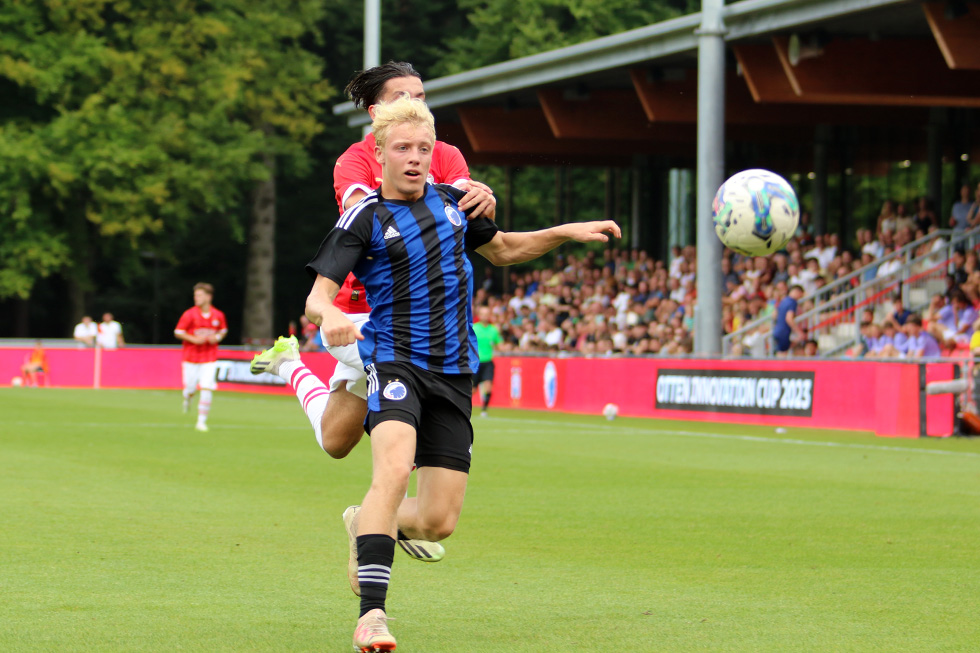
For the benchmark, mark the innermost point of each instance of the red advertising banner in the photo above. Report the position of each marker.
(886, 398)
(881, 397)
(152, 368)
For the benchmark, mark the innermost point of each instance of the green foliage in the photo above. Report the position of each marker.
(137, 120)
(500, 30)
(31, 244)
(507, 29)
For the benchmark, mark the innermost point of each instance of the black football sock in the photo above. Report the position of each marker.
(375, 553)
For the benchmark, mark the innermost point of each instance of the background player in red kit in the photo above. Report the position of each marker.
(201, 327)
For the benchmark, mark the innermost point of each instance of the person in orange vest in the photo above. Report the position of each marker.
(34, 363)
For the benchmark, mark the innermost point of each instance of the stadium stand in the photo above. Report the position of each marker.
(856, 303)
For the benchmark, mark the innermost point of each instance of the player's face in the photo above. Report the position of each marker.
(405, 161)
(201, 298)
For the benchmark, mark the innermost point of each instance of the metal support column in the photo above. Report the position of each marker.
(821, 167)
(711, 173)
(934, 181)
(372, 40)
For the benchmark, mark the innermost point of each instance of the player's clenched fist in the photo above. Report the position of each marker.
(339, 331)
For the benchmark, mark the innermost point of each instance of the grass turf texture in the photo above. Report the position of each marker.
(126, 530)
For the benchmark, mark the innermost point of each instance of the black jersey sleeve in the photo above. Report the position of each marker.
(479, 231)
(344, 245)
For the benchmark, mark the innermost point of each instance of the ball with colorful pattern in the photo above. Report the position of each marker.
(755, 212)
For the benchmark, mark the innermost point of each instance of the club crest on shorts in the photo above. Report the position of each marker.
(453, 216)
(395, 390)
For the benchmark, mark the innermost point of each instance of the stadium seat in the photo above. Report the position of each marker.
(918, 297)
(826, 342)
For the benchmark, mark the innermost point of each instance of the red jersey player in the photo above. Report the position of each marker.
(356, 174)
(358, 165)
(201, 327)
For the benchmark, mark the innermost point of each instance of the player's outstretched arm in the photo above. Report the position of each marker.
(335, 327)
(510, 247)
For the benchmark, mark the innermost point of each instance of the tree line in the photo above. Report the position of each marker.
(145, 146)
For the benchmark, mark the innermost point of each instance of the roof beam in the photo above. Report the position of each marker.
(606, 115)
(614, 114)
(454, 134)
(958, 38)
(526, 131)
(676, 100)
(862, 71)
(764, 74)
(743, 19)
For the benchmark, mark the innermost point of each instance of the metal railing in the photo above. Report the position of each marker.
(831, 314)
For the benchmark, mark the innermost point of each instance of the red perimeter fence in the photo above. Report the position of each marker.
(886, 398)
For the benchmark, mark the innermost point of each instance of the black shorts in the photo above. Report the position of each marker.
(438, 406)
(484, 373)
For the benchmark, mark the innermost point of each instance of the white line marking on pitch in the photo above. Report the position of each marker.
(167, 425)
(744, 438)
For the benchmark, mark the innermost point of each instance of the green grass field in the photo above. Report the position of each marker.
(123, 529)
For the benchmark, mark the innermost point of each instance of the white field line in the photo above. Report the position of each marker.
(166, 425)
(743, 438)
(499, 420)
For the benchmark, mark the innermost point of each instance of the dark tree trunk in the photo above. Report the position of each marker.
(257, 322)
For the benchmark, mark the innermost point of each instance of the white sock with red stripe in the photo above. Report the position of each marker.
(310, 391)
(203, 406)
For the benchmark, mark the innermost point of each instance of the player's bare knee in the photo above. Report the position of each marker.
(391, 480)
(437, 527)
(338, 439)
(336, 445)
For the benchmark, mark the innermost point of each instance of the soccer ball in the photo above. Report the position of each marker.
(16, 381)
(755, 212)
(610, 411)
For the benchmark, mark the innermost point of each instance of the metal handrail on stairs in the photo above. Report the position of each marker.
(832, 313)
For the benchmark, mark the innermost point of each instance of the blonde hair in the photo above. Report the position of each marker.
(403, 110)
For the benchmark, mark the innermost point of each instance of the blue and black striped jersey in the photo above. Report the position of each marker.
(411, 258)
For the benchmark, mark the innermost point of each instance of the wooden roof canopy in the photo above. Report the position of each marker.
(878, 67)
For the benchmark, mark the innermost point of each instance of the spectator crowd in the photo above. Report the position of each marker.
(624, 302)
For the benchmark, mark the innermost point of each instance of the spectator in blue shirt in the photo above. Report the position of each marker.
(954, 321)
(959, 218)
(899, 312)
(920, 343)
(786, 320)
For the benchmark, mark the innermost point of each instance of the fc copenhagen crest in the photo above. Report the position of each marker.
(454, 216)
(395, 390)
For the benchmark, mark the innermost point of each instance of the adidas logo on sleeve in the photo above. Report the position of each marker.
(392, 233)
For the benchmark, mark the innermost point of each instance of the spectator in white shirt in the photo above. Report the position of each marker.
(808, 276)
(869, 244)
(823, 251)
(676, 259)
(110, 333)
(86, 331)
(889, 266)
(520, 299)
(677, 292)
